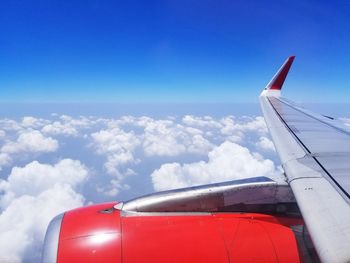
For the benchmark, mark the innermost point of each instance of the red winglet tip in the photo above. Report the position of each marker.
(277, 81)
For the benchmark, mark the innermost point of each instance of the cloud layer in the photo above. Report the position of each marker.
(52, 165)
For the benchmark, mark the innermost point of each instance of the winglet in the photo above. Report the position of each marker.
(277, 81)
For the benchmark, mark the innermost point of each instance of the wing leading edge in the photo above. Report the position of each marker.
(315, 154)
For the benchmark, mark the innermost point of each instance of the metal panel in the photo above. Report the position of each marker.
(328, 144)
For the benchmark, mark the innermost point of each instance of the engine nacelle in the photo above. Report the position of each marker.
(102, 233)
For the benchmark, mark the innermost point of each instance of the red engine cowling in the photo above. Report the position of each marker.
(101, 233)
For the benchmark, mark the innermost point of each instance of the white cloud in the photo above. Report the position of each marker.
(69, 126)
(32, 196)
(155, 138)
(266, 144)
(166, 138)
(35, 177)
(118, 146)
(198, 144)
(32, 122)
(205, 121)
(246, 124)
(114, 186)
(346, 121)
(227, 128)
(123, 138)
(29, 121)
(10, 125)
(59, 125)
(24, 222)
(30, 141)
(5, 159)
(161, 139)
(226, 162)
(57, 128)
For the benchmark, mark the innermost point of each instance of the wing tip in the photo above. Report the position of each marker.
(277, 81)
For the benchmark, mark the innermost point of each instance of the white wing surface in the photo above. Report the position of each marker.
(315, 154)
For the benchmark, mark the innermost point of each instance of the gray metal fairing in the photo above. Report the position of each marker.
(259, 194)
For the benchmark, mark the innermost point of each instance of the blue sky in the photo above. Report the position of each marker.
(171, 51)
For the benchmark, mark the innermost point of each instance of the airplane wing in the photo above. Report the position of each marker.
(315, 155)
